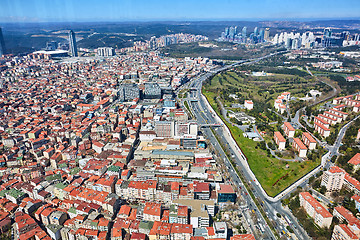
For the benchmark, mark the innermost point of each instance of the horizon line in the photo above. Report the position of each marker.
(188, 20)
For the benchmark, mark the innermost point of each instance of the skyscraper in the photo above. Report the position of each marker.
(244, 32)
(2, 44)
(232, 33)
(256, 31)
(72, 44)
(267, 34)
(226, 31)
(261, 35)
(327, 32)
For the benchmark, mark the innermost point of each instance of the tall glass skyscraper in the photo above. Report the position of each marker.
(2, 44)
(327, 32)
(256, 32)
(261, 35)
(72, 44)
(244, 32)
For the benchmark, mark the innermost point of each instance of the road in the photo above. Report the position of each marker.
(206, 115)
(321, 197)
(334, 150)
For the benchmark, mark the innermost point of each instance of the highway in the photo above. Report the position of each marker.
(206, 115)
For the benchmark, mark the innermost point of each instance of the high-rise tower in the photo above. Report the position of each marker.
(72, 44)
(327, 32)
(256, 31)
(244, 32)
(267, 34)
(2, 44)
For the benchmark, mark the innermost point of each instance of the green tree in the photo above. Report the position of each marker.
(294, 203)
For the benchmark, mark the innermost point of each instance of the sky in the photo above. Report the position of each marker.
(147, 10)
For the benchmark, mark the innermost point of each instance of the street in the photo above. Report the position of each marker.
(205, 115)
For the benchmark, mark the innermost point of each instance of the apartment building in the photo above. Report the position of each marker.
(308, 140)
(333, 179)
(355, 162)
(289, 130)
(321, 121)
(279, 140)
(343, 232)
(322, 130)
(322, 217)
(300, 147)
(343, 214)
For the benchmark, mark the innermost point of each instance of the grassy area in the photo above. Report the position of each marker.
(274, 175)
(188, 109)
(218, 50)
(260, 89)
(183, 93)
(246, 184)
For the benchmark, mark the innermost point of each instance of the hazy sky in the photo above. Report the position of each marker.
(124, 10)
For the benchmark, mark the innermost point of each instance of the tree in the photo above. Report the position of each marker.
(316, 184)
(323, 189)
(294, 203)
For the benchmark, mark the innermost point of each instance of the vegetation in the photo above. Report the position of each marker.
(347, 88)
(314, 231)
(218, 50)
(188, 109)
(263, 91)
(274, 175)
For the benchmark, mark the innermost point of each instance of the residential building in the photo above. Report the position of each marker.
(321, 216)
(289, 130)
(308, 140)
(248, 104)
(356, 198)
(322, 130)
(355, 162)
(333, 179)
(343, 214)
(105, 52)
(279, 140)
(299, 146)
(343, 232)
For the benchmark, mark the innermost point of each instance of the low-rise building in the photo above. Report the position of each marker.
(225, 194)
(308, 140)
(289, 130)
(279, 140)
(299, 146)
(248, 104)
(355, 162)
(343, 214)
(321, 121)
(330, 120)
(343, 232)
(321, 216)
(356, 198)
(322, 130)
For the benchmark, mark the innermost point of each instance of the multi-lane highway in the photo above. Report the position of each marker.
(206, 115)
